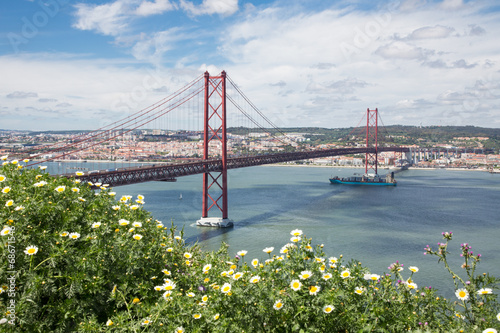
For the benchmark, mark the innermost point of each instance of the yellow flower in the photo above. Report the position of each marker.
(179, 329)
(278, 305)
(314, 290)
(358, 290)
(216, 316)
(123, 222)
(31, 250)
(136, 300)
(169, 285)
(207, 267)
(296, 232)
(60, 188)
(328, 308)
(295, 285)
(237, 276)
(345, 274)
(197, 316)
(109, 322)
(146, 322)
(96, 225)
(268, 250)
(5, 231)
(134, 207)
(6, 189)
(226, 288)
(9, 203)
(75, 189)
(74, 235)
(255, 279)
(188, 255)
(304, 275)
(462, 294)
(137, 237)
(2, 178)
(64, 234)
(242, 253)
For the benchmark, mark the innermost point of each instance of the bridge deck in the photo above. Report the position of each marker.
(168, 172)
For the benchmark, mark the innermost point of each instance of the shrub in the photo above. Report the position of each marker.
(78, 259)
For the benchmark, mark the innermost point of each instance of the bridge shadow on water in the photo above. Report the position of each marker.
(249, 208)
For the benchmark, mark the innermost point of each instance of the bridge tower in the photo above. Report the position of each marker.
(215, 131)
(371, 158)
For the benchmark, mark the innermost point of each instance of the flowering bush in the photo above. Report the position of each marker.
(75, 259)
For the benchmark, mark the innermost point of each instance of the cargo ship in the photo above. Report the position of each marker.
(376, 180)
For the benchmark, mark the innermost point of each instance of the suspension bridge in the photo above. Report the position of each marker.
(207, 104)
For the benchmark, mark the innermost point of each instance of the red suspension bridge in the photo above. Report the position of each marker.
(212, 119)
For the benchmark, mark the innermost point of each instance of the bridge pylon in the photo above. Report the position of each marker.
(214, 130)
(371, 158)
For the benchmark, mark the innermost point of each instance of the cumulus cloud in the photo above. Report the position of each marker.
(437, 31)
(113, 19)
(401, 50)
(107, 19)
(147, 8)
(476, 30)
(22, 94)
(278, 84)
(221, 7)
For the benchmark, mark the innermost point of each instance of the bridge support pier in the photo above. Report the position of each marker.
(217, 222)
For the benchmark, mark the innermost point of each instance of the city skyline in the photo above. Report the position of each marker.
(73, 65)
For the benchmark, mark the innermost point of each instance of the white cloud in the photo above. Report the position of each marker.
(401, 50)
(437, 31)
(147, 8)
(108, 19)
(22, 94)
(452, 4)
(114, 18)
(210, 7)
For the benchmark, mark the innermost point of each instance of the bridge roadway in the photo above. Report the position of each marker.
(169, 172)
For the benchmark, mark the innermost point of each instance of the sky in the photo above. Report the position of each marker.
(75, 64)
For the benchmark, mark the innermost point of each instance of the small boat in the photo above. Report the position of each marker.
(180, 196)
(375, 180)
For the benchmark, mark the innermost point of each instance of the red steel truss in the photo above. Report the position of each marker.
(169, 172)
(371, 158)
(215, 130)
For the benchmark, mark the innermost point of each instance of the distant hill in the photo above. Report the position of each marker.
(396, 134)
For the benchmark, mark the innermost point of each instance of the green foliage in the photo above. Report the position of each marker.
(112, 278)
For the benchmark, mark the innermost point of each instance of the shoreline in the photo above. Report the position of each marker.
(361, 167)
(286, 165)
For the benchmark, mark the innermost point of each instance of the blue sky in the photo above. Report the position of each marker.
(68, 64)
